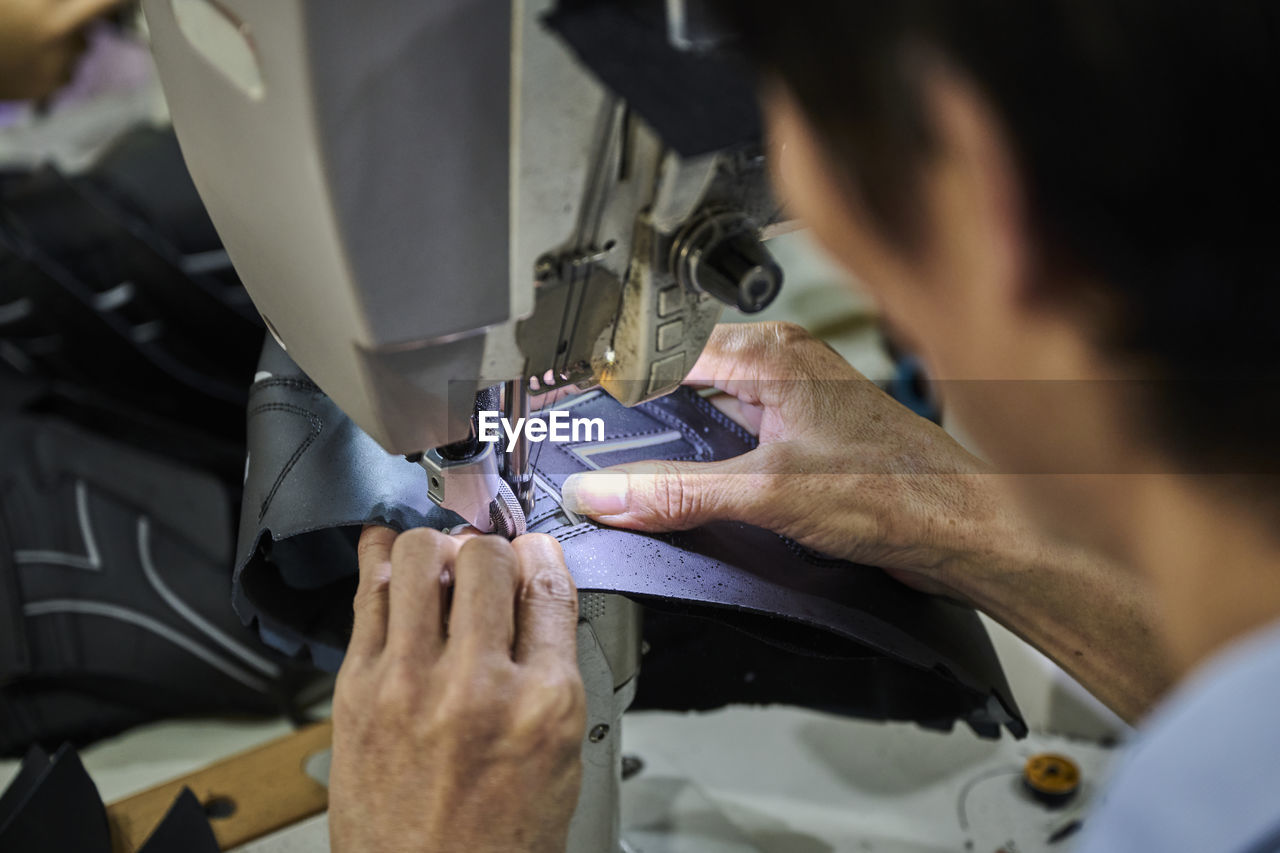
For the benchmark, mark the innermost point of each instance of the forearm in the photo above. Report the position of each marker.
(1094, 618)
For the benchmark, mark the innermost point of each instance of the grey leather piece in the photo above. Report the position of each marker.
(114, 569)
(313, 479)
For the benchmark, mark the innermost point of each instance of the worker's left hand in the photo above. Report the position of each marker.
(458, 724)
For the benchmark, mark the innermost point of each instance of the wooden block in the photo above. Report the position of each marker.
(264, 789)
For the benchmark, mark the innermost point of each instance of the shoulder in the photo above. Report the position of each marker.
(1200, 774)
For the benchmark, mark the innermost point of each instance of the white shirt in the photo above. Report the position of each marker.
(1203, 773)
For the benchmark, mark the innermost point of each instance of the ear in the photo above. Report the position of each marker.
(817, 191)
(976, 201)
(797, 166)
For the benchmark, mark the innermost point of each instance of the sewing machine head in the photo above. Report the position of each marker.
(428, 199)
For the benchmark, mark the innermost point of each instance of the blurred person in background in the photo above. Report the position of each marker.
(41, 42)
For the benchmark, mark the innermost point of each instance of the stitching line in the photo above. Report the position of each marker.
(543, 516)
(278, 382)
(691, 436)
(813, 558)
(724, 420)
(317, 426)
(574, 534)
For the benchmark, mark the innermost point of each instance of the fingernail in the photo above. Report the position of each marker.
(595, 493)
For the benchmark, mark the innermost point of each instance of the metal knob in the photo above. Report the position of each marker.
(722, 255)
(740, 271)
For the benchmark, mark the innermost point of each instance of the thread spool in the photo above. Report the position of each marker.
(1051, 779)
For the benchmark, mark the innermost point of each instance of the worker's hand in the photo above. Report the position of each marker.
(40, 42)
(841, 467)
(459, 711)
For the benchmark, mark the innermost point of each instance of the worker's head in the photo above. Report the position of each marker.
(1078, 190)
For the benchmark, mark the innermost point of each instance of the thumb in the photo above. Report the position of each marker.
(660, 495)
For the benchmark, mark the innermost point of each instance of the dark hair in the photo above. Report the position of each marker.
(1147, 138)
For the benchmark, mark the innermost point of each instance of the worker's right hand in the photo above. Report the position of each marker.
(459, 711)
(841, 467)
(40, 42)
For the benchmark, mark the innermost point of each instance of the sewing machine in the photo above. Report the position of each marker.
(439, 207)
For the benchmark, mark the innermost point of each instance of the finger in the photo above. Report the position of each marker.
(749, 416)
(420, 560)
(547, 399)
(762, 362)
(369, 629)
(463, 532)
(744, 359)
(547, 612)
(486, 578)
(659, 496)
(70, 15)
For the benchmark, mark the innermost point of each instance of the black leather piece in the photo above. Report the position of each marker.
(34, 765)
(114, 286)
(183, 829)
(56, 808)
(314, 478)
(114, 572)
(14, 655)
(698, 663)
(52, 806)
(143, 171)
